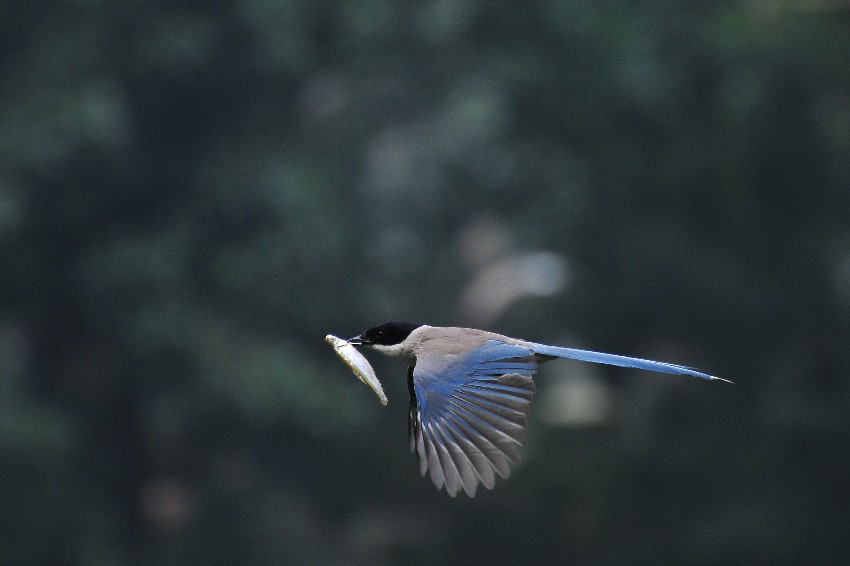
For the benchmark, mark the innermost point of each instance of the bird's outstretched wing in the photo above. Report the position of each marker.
(468, 414)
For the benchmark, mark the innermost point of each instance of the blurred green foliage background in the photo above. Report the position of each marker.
(193, 194)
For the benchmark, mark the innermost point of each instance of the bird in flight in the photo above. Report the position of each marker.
(470, 392)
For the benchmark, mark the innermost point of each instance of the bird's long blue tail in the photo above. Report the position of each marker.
(615, 360)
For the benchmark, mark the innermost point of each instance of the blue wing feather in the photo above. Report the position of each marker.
(469, 415)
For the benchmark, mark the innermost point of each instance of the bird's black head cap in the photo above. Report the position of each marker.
(387, 334)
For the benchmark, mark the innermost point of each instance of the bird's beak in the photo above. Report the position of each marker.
(357, 341)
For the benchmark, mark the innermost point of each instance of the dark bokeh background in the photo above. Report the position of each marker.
(193, 194)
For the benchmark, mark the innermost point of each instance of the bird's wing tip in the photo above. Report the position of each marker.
(714, 377)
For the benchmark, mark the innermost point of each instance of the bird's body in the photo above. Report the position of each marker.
(446, 340)
(470, 392)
